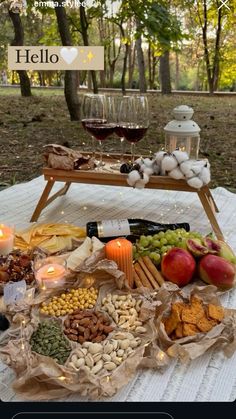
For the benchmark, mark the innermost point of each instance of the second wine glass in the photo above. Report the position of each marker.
(134, 119)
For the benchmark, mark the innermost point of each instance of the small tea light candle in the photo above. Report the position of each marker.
(6, 239)
(120, 250)
(51, 275)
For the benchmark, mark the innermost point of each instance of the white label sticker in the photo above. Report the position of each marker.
(113, 228)
(14, 292)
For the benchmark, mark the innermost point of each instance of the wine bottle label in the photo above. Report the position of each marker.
(113, 228)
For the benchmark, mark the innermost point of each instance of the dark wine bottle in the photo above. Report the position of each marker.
(132, 229)
(4, 323)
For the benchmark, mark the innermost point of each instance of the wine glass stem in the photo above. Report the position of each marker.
(132, 153)
(93, 148)
(101, 153)
(122, 146)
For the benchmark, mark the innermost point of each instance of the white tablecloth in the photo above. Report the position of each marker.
(208, 378)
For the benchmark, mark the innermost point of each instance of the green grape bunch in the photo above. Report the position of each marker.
(159, 244)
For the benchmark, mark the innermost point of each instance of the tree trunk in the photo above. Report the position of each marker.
(70, 81)
(216, 62)
(102, 36)
(131, 68)
(141, 63)
(124, 69)
(165, 73)
(176, 70)
(84, 32)
(19, 41)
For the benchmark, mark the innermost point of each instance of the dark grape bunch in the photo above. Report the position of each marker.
(159, 244)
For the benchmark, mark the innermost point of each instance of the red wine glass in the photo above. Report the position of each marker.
(119, 133)
(92, 112)
(134, 119)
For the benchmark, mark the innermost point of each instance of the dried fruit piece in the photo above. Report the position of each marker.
(215, 312)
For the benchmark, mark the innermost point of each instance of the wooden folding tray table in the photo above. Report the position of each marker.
(114, 178)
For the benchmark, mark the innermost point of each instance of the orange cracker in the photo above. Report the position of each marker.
(192, 314)
(195, 300)
(179, 331)
(206, 325)
(215, 312)
(189, 329)
(178, 306)
(172, 321)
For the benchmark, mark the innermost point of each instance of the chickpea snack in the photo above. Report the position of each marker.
(68, 302)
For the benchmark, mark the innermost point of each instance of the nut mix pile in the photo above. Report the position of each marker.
(15, 267)
(49, 340)
(108, 355)
(68, 302)
(190, 319)
(86, 325)
(124, 309)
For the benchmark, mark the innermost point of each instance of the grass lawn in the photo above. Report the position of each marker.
(26, 124)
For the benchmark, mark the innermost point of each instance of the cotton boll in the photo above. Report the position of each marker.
(159, 156)
(139, 161)
(176, 174)
(168, 163)
(205, 175)
(156, 168)
(197, 166)
(140, 184)
(148, 171)
(133, 177)
(180, 156)
(195, 182)
(186, 166)
(148, 162)
(145, 178)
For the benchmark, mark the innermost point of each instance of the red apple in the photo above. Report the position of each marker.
(178, 266)
(217, 271)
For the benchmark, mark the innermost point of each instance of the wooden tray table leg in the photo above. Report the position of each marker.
(210, 214)
(42, 201)
(211, 199)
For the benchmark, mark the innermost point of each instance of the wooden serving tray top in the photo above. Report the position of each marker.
(107, 176)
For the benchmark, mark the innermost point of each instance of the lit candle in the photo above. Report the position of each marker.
(120, 250)
(51, 275)
(6, 239)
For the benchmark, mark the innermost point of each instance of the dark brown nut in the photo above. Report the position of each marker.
(94, 329)
(73, 337)
(81, 329)
(85, 321)
(67, 323)
(99, 338)
(101, 327)
(78, 316)
(74, 331)
(107, 329)
(74, 324)
(87, 313)
(81, 339)
(86, 334)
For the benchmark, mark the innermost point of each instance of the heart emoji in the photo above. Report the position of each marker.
(68, 54)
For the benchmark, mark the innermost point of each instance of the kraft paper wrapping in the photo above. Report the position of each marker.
(222, 336)
(41, 378)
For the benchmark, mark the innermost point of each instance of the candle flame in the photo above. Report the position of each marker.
(118, 244)
(1, 233)
(51, 270)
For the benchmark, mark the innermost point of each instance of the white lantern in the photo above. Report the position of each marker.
(183, 133)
